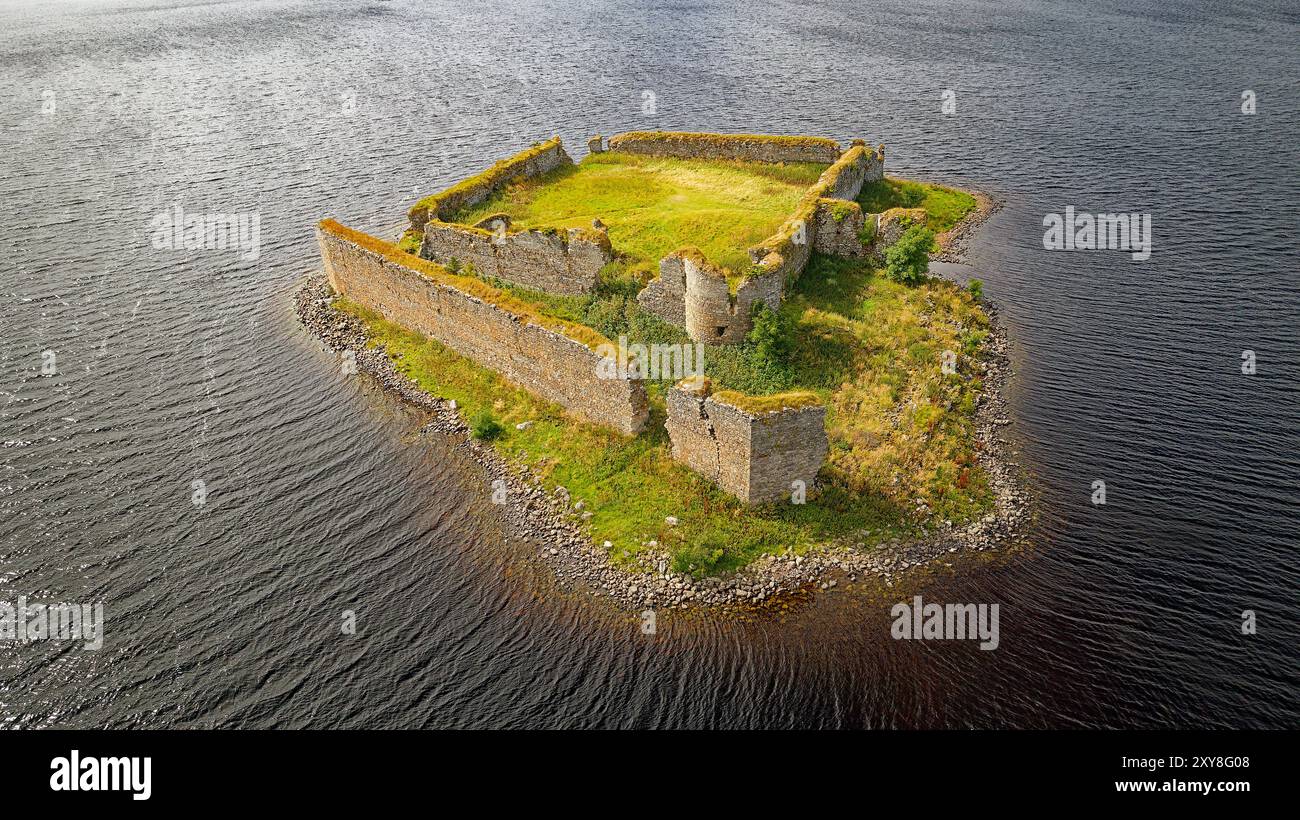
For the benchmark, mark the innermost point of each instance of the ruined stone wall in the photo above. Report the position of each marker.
(693, 294)
(546, 356)
(535, 161)
(444, 242)
(689, 428)
(755, 455)
(567, 262)
(891, 224)
(709, 312)
(857, 166)
(840, 228)
(665, 296)
(751, 147)
(767, 287)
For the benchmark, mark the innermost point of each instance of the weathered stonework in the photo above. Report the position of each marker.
(532, 162)
(857, 166)
(751, 147)
(693, 294)
(709, 308)
(756, 456)
(891, 224)
(444, 242)
(708, 311)
(768, 287)
(694, 442)
(665, 296)
(566, 262)
(840, 228)
(425, 298)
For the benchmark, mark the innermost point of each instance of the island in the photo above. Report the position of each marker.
(705, 369)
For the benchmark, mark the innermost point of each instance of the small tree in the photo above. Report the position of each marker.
(908, 259)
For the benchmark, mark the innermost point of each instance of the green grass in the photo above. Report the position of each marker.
(899, 429)
(410, 241)
(653, 206)
(630, 484)
(944, 207)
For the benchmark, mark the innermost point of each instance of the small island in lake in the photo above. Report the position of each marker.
(703, 368)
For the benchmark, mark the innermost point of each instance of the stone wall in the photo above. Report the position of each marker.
(535, 161)
(755, 455)
(789, 248)
(710, 310)
(891, 224)
(857, 166)
(567, 262)
(767, 287)
(692, 294)
(551, 358)
(665, 296)
(752, 147)
(840, 228)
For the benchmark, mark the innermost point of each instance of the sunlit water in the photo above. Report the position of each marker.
(176, 366)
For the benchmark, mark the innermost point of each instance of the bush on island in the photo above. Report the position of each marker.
(908, 259)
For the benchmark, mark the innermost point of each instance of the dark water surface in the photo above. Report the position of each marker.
(176, 366)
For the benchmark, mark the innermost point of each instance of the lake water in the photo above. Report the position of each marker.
(178, 366)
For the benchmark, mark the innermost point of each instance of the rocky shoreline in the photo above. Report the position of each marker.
(954, 242)
(557, 520)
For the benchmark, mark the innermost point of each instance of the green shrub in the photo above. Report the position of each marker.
(607, 315)
(908, 259)
(772, 335)
(976, 288)
(485, 427)
(453, 265)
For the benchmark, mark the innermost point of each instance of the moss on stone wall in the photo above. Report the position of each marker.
(410, 241)
(805, 212)
(499, 174)
(792, 400)
(477, 288)
(720, 140)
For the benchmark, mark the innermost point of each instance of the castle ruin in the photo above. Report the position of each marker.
(757, 448)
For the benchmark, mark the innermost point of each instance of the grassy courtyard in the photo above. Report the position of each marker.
(653, 206)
